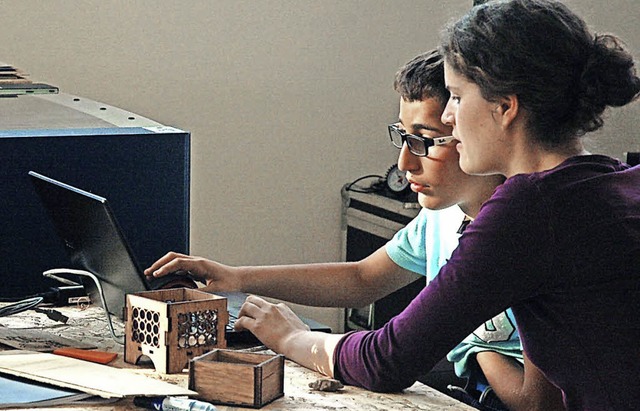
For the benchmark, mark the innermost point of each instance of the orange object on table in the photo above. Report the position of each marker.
(100, 357)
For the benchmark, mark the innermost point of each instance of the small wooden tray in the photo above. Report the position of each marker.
(237, 378)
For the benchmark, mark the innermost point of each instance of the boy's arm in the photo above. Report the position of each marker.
(346, 284)
(519, 389)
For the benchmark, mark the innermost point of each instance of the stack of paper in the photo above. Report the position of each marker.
(10, 74)
(14, 81)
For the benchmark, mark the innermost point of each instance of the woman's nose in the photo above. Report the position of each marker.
(447, 117)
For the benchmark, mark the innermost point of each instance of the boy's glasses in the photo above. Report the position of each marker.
(418, 145)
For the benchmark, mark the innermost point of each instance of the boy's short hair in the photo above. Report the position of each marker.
(421, 78)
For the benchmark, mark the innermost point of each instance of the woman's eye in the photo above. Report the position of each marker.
(455, 99)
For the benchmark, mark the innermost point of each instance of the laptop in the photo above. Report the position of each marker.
(95, 242)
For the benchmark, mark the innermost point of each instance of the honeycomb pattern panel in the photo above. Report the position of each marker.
(145, 327)
(197, 329)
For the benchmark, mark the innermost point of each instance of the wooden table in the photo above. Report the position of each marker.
(89, 325)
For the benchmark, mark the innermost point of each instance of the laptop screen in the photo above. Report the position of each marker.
(93, 240)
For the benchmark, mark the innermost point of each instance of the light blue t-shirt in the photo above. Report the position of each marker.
(425, 245)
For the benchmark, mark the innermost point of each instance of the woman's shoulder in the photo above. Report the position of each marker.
(577, 183)
(570, 171)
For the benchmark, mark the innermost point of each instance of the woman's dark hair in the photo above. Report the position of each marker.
(421, 78)
(542, 52)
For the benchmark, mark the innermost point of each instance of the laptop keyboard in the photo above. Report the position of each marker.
(232, 321)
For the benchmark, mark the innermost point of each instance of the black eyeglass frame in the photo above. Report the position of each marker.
(423, 143)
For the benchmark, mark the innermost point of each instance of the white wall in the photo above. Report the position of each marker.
(286, 100)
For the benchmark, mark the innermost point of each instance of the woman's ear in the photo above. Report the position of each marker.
(508, 109)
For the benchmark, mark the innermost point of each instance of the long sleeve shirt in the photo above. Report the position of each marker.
(562, 248)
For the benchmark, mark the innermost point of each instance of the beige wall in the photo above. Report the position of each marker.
(286, 100)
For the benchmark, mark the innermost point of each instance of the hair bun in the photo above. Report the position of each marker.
(608, 79)
(613, 73)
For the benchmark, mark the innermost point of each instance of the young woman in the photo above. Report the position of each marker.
(559, 241)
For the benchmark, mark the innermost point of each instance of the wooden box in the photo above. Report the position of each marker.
(237, 378)
(173, 326)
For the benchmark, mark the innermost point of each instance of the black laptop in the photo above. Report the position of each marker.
(94, 242)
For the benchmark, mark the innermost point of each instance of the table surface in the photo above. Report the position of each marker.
(89, 325)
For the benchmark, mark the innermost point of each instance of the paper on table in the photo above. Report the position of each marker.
(96, 379)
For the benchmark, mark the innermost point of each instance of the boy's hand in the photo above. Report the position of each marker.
(216, 276)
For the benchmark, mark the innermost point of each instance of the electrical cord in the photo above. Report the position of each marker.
(57, 271)
(20, 306)
(52, 314)
(373, 188)
(59, 296)
(32, 304)
(20, 299)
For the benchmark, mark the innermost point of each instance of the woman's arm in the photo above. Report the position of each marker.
(282, 331)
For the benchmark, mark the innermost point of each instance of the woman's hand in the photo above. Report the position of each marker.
(216, 276)
(273, 324)
(281, 330)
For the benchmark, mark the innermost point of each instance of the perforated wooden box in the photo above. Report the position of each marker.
(237, 378)
(173, 326)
